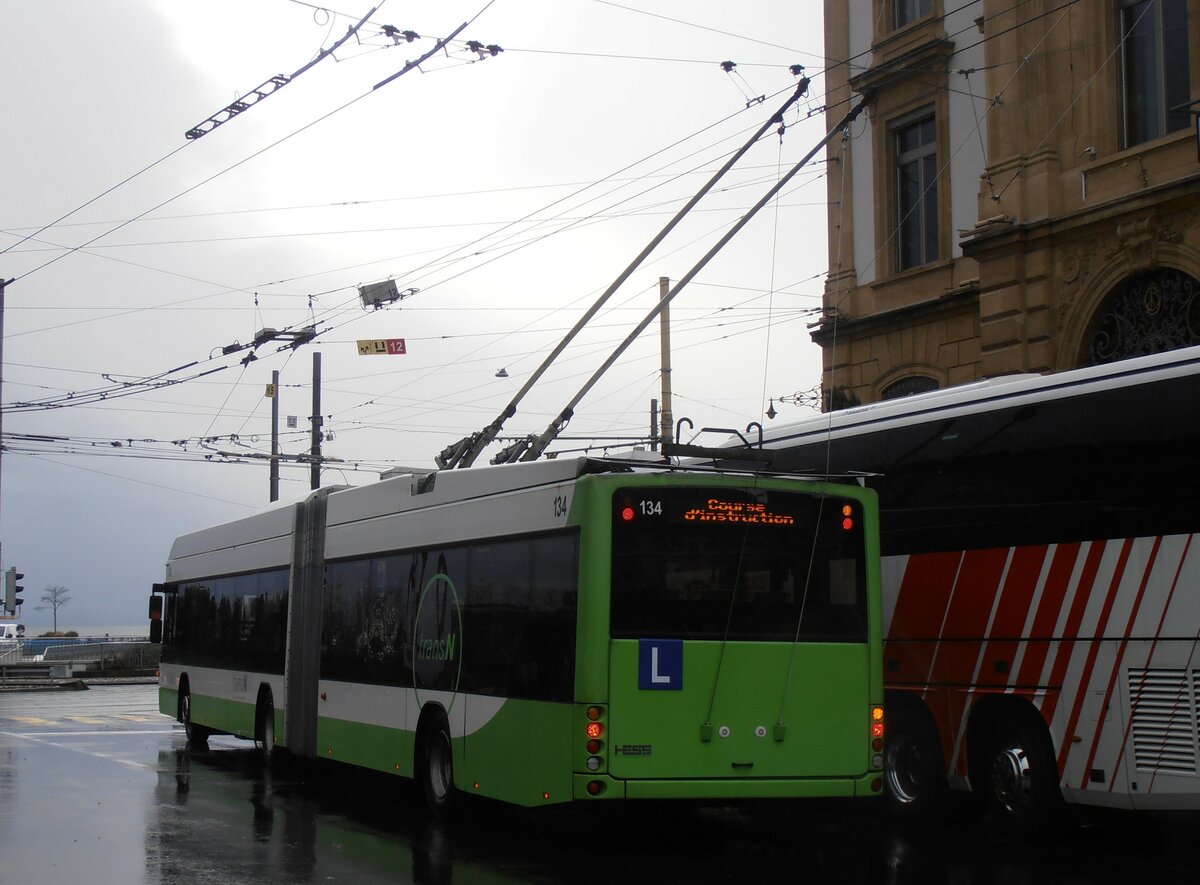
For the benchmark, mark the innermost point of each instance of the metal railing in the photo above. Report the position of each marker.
(120, 654)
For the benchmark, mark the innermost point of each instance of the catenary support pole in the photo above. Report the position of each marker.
(667, 419)
(275, 437)
(315, 470)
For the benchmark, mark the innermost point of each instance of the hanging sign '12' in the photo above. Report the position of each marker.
(389, 346)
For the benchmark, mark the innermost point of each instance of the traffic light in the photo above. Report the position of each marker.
(11, 589)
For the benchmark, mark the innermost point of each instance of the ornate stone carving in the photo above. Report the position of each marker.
(1078, 262)
(1139, 239)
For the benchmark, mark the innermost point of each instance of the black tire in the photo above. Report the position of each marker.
(197, 735)
(1020, 776)
(435, 765)
(264, 729)
(913, 765)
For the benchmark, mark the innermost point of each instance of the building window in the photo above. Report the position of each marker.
(909, 386)
(908, 11)
(1154, 69)
(915, 150)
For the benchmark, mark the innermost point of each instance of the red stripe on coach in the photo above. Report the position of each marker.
(1049, 606)
(1065, 641)
(1133, 701)
(924, 591)
(1011, 613)
(1116, 667)
(1081, 689)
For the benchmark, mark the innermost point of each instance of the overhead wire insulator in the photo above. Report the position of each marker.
(483, 51)
(730, 68)
(397, 35)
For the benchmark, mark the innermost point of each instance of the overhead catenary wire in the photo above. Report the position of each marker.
(321, 55)
(440, 44)
(533, 448)
(466, 451)
(947, 13)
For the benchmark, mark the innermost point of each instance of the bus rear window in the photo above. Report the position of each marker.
(740, 564)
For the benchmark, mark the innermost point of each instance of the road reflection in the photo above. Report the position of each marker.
(220, 817)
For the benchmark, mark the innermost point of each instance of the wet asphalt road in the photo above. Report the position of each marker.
(98, 787)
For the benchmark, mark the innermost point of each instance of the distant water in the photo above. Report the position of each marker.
(142, 631)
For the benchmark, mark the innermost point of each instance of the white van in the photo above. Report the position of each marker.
(10, 631)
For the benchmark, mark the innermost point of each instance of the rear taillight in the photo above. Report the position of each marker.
(594, 732)
(877, 731)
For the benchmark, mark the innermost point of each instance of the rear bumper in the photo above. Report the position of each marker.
(869, 784)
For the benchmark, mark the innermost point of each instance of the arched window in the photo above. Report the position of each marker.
(908, 386)
(1151, 312)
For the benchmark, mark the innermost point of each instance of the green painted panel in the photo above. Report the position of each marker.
(523, 755)
(222, 715)
(370, 746)
(825, 703)
(168, 701)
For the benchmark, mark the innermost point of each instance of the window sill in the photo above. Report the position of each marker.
(900, 276)
(1146, 147)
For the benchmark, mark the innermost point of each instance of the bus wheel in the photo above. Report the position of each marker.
(435, 765)
(912, 762)
(264, 730)
(197, 735)
(1022, 778)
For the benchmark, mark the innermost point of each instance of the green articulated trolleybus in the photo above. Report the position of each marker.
(555, 631)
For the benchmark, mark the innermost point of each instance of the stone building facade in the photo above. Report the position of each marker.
(1022, 194)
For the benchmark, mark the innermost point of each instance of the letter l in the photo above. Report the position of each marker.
(654, 675)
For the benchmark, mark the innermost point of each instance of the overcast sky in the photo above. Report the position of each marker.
(509, 189)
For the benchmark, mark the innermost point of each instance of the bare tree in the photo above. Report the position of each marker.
(54, 598)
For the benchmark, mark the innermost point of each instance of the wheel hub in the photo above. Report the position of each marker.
(903, 771)
(1012, 777)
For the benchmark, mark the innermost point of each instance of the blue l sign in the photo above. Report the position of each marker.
(660, 664)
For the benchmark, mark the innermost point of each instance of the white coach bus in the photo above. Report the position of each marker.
(1041, 581)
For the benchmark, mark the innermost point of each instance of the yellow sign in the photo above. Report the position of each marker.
(270, 394)
(371, 346)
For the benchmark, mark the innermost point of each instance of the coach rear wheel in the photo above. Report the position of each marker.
(435, 766)
(913, 769)
(264, 732)
(1022, 779)
(197, 735)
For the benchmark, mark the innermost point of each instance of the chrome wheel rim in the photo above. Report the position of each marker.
(902, 769)
(1012, 777)
(440, 777)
